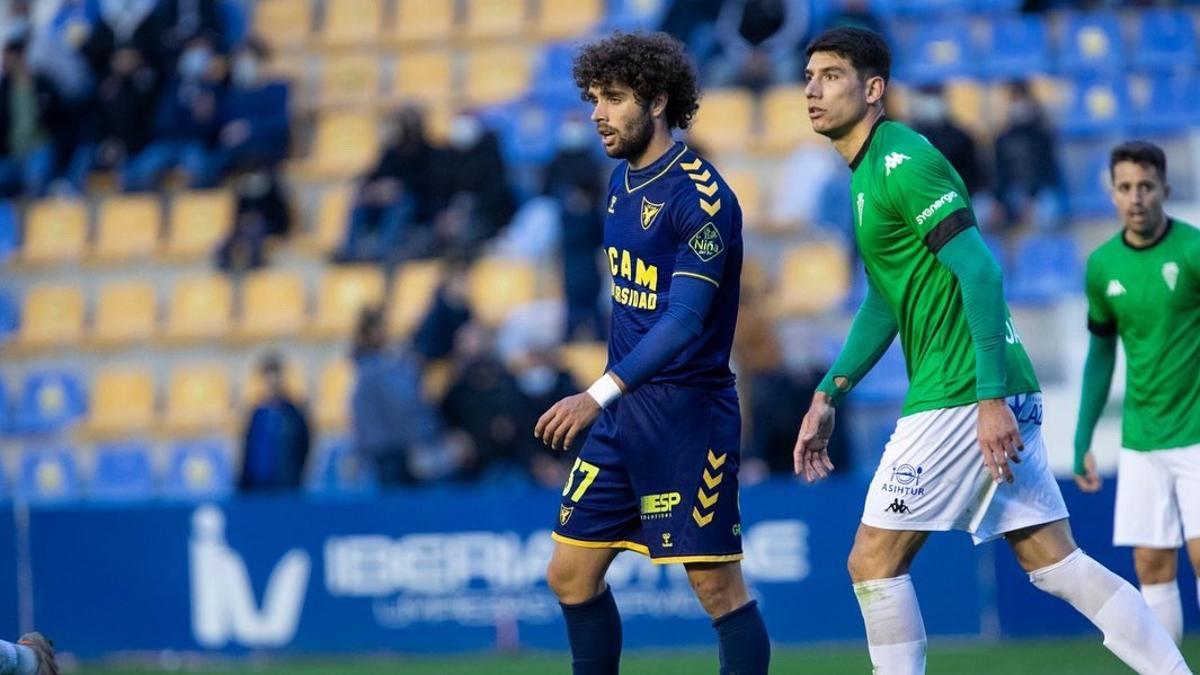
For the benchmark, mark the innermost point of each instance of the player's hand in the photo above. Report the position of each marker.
(1089, 480)
(565, 420)
(999, 438)
(811, 455)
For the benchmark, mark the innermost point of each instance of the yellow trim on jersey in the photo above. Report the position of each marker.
(697, 559)
(627, 545)
(629, 190)
(697, 276)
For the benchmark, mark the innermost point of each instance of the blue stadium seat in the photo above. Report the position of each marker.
(931, 8)
(1166, 39)
(938, 50)
(631, 15)
(1169, 106)
(1088, 184)
(1098, 106)
(1091, 43)
(1019, 47)
(1047, 267)
(198, 469)
(8, 231)
(10, 313)
(552, 75)
(337, 469)
(122, 473)
(998, 6)
(50, 400)
(48, 475)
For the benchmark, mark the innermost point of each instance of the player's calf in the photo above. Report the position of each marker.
(576, 574)
(745, 648)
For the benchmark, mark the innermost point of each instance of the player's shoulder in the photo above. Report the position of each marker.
(1187, 232)
(695, 183)
(1107, 251)
(897, 151)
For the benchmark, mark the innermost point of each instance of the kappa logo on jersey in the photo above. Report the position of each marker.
(650, 211)
(1114, 289)
(893, 160)
(612, 203)
(1170, 272)
(897, 506)
(860, 203)
(936, 206)
(707, 243)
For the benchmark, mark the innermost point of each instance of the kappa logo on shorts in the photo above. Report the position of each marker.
(897, 506)
(564, 514)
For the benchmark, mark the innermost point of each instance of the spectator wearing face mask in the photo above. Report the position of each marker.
(29, 110)
(541, 382)
(470, 188)
(262, 214)
(183, 19)
(1029, 182)
(931, 118)
(761, 42)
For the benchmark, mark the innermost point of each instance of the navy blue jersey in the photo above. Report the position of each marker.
(675, 217)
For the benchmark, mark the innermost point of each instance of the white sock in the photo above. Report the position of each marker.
(895, 630)
(1166, 604)
(1130, 629)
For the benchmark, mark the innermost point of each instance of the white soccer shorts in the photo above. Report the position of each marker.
(932, 477)
(1158, 498)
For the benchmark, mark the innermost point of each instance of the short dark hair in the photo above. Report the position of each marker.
(1139, 152)
(865, 49)
(650, 64)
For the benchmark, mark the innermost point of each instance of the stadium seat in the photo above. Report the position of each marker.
(815, 278)
(344, 291)
(745, 185)
(495, 19)
(8, 231)
(412, 292)
(785, 120)
(122, 473)
(10, 314)
(353, 23)
(932, 8)
(337, 469)
(1088, 183)
(425, 76)
(552, 73)
(346, 144)
(198, 469)
(1018, 46)
(127, 228)
(585, 361)
(199, 222)
(1047, 267)
(965, 103)
(350, 80)
(48, 475)
(122, 403)
(633, 15)
(497, 74)
(331, 220)
(126, 312)
(1091, 43)
(724, 121)
(285, 24)
(201, 308)
(565, 19)
(333, 395)
(1167, 105)
(295, 382)
(55, 232)
(273, 305)
(198, 399)
(436, 378)
(52, 316)
(419, 21)
(1097, 107)
(497, 286)
(1166, 38)
(50, 400)
(938, 50)
(528, 130)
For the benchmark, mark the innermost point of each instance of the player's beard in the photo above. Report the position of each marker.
(640, 132)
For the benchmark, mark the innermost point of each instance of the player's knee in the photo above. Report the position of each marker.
(717, 593)
(865, 566)
(570, 584)
(1154, 566)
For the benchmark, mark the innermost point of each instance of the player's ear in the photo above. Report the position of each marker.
(658, 106)
(875, 88)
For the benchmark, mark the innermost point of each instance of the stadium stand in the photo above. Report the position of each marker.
(53, 317)
(198, 222)
(122, 472)
(48, 475)
(55, 232)
(127, 229)
(126, 313)
(198, 470)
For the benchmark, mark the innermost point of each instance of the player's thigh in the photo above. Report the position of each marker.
(576, 574)
(1184, 466)
(882, 554)
(1155, 565)
(1147, 513)
(1042, 545)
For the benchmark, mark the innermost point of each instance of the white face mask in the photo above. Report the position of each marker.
(465, 132)
(245, 71)
(194, 62)
(928, 108)
(574, 135)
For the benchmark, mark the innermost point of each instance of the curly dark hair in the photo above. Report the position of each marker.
(650, 64)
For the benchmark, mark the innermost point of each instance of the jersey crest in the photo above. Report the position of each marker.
(650, 211)
(1170, 272)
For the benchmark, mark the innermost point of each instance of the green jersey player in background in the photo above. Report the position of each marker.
(967, 454)
(1143, 286)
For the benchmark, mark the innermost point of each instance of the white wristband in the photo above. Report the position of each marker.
(604, 390)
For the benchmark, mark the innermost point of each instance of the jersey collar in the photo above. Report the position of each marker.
(862, 152)
(649, 174)
(1166, 231)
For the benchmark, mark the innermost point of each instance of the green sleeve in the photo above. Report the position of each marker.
(871, 334)
(982, 285)
(1097, 377)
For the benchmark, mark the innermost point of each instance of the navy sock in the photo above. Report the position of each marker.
(745, 647)
(594, 630)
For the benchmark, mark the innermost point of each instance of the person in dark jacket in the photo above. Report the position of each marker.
(29, 111)
(277, 437)
(1029, 182)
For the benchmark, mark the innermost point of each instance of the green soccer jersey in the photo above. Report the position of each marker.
(1150, 297)
(909, 202)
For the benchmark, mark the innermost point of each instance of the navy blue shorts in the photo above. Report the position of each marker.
(658, 474)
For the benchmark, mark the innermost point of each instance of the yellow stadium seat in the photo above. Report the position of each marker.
(424, 77)
(724, 120)
(350, 80)
(436, 380)
(965, 101)
(346, 143)
(785, 120)
(53, 316)
(745, 185)
(422, 21)
(412, 293)
(897, 100)
(55, 232)
(127, 228)
(495, 19)
(333, 395)
(497, 74)
(815, 278)
(122, 402)
(126, 312)
(585, 361)
(564, 19)
(352, 23)
(201, 308)
(273, 305)
(199, 222)
(198, 399)
(497, 286)
(344, 292)
(331, 219)
(284, 23)
(294, 382)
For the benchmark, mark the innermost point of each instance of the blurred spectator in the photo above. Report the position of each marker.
(761, 41)
(824, 202)
(931, 118)
(435, 336)
(29, 110)
(391, 216)
(1029, 183)
(393, 425)
(127, 25)
(277, 437)
(59, 34)
(262, 213)
(693, 23)
(474, 198)
(184, 20)
(853, 14)
(574, 180)
(542, 383)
